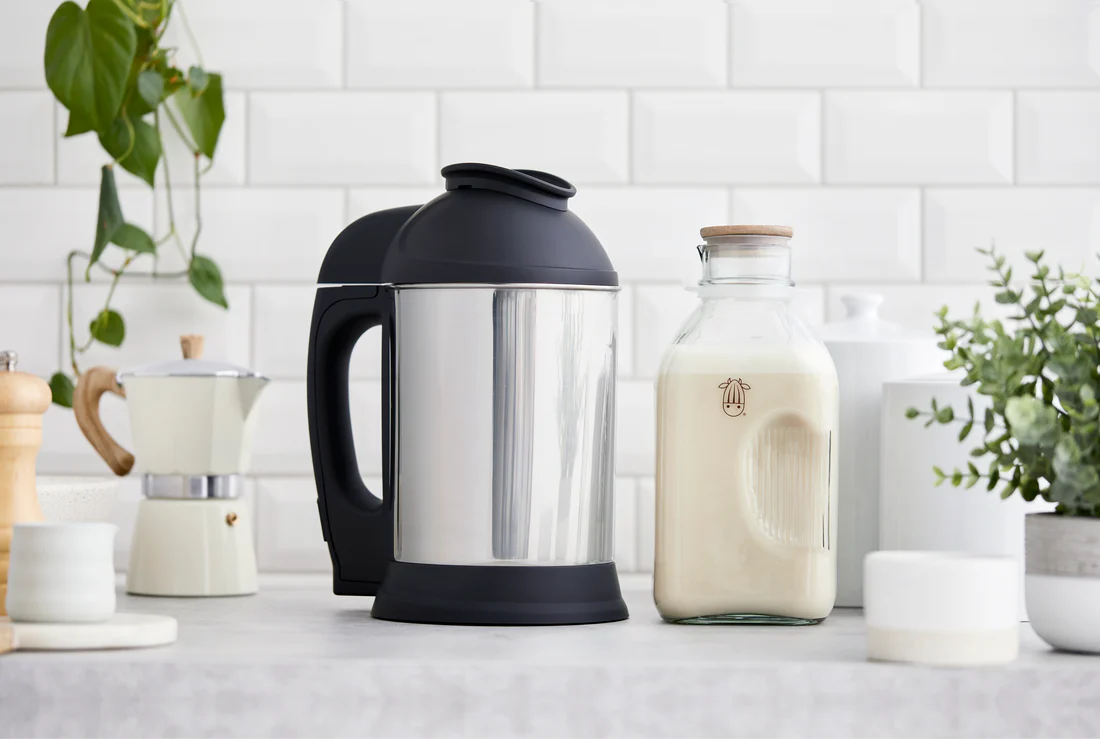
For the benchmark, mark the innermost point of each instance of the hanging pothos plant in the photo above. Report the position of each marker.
(106, 65)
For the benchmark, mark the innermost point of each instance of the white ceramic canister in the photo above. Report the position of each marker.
(62, 572)
(914, 514)
(77, 498)
(867, 352)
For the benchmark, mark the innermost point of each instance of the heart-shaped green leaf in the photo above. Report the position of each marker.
(109, 218)
(150, 86)
(142, 157)
(197, 80)
(204, 114)
(62, 388)
(206, 278)
(77, 125)
(108, 328)
(88, 57)
(129, 236)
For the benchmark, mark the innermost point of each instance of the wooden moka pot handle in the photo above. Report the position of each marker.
(90, 387)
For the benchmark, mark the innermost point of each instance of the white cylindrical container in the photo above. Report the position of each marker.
(914, 514)
(938, 608)
(867, 352)
(62, 572)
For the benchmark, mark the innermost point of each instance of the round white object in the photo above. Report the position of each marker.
(62, 572)
(123, 631)
(77, 498)
(940, 608)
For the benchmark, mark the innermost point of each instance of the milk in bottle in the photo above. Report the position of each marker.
(747, 408)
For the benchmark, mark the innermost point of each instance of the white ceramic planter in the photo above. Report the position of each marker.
(70, 499)
(1063, 580)
(914, 514)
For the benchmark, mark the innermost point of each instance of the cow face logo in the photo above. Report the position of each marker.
(734, 396)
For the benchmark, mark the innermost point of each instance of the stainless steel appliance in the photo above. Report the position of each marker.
(498, 314)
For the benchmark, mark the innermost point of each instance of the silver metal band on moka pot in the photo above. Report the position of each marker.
(191, 487)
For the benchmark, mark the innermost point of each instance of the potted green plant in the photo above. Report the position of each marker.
(1040, 435)
(106, 64)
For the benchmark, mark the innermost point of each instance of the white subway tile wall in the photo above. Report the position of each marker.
(896, 136)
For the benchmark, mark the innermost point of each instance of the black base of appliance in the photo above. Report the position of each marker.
(500, 595)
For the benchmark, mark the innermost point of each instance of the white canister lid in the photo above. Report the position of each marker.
(941, 608)
(862, 323)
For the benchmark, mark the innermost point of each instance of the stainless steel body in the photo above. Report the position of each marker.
(505, 424)
(191, 487)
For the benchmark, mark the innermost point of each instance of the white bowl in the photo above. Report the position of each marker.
(65, 499)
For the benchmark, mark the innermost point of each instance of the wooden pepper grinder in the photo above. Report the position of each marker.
(23, 400)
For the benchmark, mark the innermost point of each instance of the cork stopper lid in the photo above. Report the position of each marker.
(21, 393)
(708, 231)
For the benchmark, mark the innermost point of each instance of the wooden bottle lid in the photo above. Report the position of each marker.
(20, 392)
(708, 231)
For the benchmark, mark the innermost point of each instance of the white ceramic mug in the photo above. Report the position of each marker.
(62, 572)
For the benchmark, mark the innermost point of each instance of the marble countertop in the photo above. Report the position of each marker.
(296, 660)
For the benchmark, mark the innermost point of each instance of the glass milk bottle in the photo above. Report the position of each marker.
(747, 408)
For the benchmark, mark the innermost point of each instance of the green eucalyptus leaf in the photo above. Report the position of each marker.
(109, 218)
(137, 152)
(62, 388)
(965, 431)
(88, 57)
(994, 478)
(206, 278)
(150, 86)
(911, 413)
(108, 328)
(129, 236)
(204, 114)
(956, 478)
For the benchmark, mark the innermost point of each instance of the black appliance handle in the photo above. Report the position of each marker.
(357, 523)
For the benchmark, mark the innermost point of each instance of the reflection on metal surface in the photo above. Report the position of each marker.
(505, 425)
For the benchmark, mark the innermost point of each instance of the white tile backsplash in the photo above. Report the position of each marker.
(918, 137)
(1065, 222)
(283, 315)
(581, 136)
(288, 526)
(651, 233)
(894, 135)
(644, 43)
(265, 44)
(369, 138)
(39, 226)
(30, 324)
(440, 44)
(241, 224)
(1011, 43)
(22, 38)
(842, 233)
(1056, 131)
(27, 157)
(157, 315)
(808, 43)
(727, 137)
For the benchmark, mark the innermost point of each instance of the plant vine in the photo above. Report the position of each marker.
(106, 65)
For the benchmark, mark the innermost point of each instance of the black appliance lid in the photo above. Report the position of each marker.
(495, 225)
